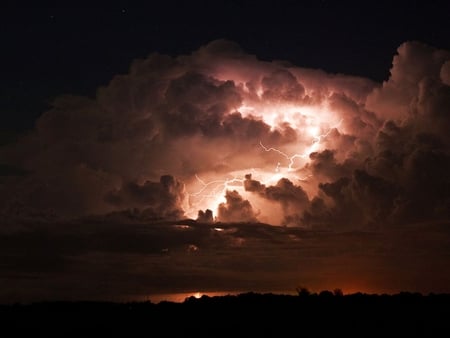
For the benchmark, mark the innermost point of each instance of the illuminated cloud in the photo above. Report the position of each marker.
(292, 199)
(246, 139)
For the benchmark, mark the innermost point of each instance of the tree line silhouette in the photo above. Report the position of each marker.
(250, 314)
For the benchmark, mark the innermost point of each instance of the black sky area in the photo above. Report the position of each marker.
(52, 50)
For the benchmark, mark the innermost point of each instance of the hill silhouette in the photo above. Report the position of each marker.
(247, 315)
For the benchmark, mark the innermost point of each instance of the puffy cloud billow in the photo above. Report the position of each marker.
(246, 140)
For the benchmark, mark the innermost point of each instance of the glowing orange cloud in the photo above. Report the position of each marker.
(312, 125)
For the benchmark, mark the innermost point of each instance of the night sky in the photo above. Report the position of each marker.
(49, 51)
(224, 147)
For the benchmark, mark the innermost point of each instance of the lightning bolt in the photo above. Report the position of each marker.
(291, 159)
(316, 139)
(211, 193)
(217, 186)
(213, 190)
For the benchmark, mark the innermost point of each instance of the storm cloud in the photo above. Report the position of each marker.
(176, 135)
(177, 176)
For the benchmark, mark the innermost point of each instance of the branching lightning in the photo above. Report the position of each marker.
(221, 185)
(310, 119)
(289, 158)
(213, 191)
(316, 140)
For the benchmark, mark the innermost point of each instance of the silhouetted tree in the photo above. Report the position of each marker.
(303, 291)
(338, 292)
(326, 293)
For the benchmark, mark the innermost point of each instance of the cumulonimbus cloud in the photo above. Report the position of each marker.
(247, 139)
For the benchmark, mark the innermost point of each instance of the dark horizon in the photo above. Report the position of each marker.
(301, 293)
(251, 314)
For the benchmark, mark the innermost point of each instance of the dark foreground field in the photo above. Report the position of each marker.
(245, 315)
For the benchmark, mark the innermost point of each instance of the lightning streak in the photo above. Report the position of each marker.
(214, 191)
(211, 193)
(218, 184)
(316, 140)
(291, 159)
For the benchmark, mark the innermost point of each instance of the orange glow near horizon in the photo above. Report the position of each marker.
(179, 297)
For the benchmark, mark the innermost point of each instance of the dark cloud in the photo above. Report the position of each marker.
(205, 216)
(325, 166)
(106, 259)
(253, 185)
(293, 199)
(282, 86)
(414, 64)
(235, 209)
(445, 73)
(160, 200)
(196, 103)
